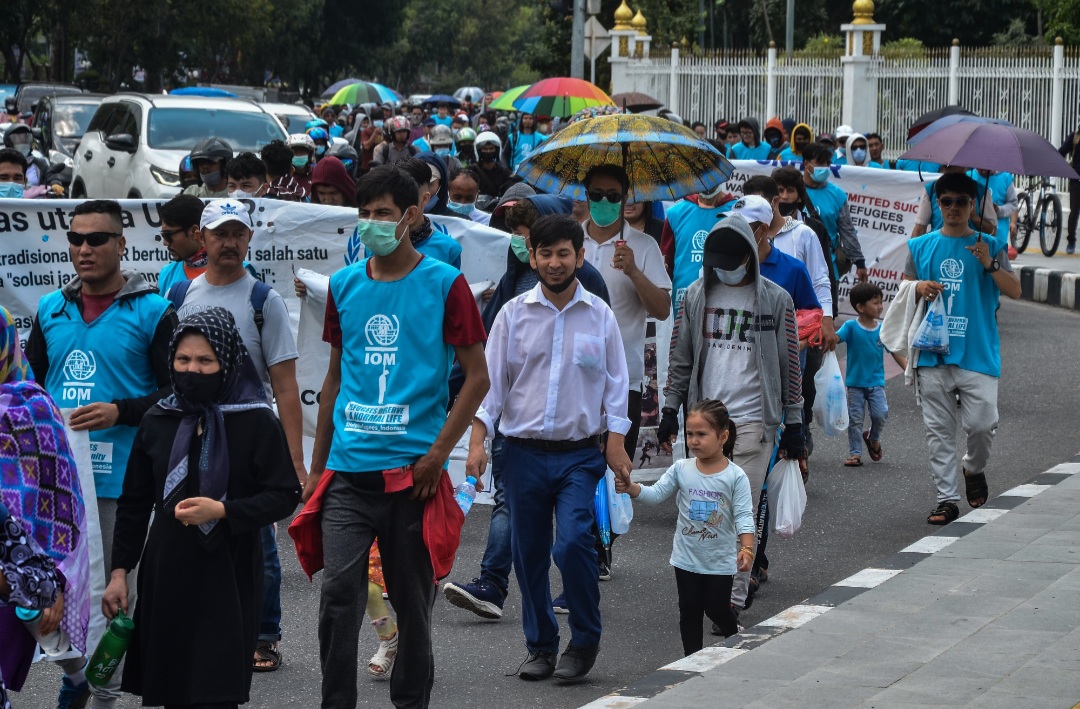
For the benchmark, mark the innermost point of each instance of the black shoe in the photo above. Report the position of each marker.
(751, 591)
(575, 663)
(537, 666)
(605, 571)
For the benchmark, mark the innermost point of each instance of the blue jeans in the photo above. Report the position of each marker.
(498, 558)
(270, 626)
(541, 483)
(858, 399)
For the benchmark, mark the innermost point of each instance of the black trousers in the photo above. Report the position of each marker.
(703, 595)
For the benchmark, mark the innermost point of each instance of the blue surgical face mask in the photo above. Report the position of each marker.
(462, 208)
(378, 124)
(858, 155)
(378, 237)
(431, 203)
(320, 150)
(300, 161)
(731, 278)
(11, 190)
(821, 175)
(443, 152)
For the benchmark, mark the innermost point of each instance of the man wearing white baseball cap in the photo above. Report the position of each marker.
(842, 134)
(263, 322)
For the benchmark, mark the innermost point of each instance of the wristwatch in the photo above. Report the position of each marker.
(995, 265)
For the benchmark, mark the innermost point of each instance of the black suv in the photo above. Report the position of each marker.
(58, 125)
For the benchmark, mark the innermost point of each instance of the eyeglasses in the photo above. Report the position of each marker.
(950, 202)
(167, 236)
(597, 195)
(94, 238)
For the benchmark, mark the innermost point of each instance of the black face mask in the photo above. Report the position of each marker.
(199, 388)
(788, 208)
(489, 157)
(560, 287)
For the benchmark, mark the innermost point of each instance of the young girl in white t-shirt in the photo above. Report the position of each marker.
(715, 530)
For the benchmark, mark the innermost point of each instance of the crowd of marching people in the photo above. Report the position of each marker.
(195, 396)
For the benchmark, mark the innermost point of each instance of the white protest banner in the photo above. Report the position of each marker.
(882, 203)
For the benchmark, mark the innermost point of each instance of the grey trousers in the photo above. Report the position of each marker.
(355, 512)
(977, 415)
(107, 696)
(752, 455)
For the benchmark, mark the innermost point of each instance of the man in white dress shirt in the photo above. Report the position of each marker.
(637, 281)
(558, 378)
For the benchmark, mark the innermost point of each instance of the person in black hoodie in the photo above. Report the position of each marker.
(1070, 150)
(442, 189)
(493, 176)
(486, 594)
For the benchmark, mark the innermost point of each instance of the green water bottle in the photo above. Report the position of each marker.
(110, 651)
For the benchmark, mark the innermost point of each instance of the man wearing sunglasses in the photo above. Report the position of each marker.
(180, 235)
(969, 272)
(637, 281)
(929, 217)
(100, 345)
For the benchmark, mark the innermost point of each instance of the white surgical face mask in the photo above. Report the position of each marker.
(731, 278)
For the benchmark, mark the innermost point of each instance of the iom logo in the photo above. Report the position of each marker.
(951, 269)
(698, 245)
(79, 367)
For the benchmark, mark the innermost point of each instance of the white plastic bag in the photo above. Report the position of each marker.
(787, 497)
(830, 406)
(620, 507)
(933, 333)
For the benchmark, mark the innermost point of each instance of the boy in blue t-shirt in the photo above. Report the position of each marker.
(865, 378)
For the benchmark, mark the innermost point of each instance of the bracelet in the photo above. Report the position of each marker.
(748, 550)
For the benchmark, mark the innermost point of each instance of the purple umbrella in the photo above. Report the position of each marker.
(951, 120)
(989, 146)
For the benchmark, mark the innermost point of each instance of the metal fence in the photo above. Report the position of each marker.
(1034, 88)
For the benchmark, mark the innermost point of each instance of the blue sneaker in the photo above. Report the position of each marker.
(73, 696)
(479, 596)
(559, 604)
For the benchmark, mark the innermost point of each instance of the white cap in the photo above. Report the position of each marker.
(220, 211)
(843, 131)
(754, 208)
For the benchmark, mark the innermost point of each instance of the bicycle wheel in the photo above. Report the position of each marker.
(1024, 220)
(1050, 224)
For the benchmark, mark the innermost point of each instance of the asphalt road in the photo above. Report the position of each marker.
(854, 517)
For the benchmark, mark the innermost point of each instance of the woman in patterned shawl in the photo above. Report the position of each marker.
(39, 486)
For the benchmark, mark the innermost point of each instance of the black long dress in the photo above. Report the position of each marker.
(197, 611)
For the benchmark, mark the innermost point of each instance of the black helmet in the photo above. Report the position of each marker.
(12, 130)
(347, 155)
(212, 149)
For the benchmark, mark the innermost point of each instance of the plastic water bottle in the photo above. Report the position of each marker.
(110, 651)
(55, 643)
(465, 494)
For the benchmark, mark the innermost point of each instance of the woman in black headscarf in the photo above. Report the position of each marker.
(212, 463)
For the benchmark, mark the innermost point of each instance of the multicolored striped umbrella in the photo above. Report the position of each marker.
(505, 102)
(561, 97)
(664, 160)
(364, 92)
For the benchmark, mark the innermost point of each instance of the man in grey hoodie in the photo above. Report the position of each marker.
(738, 342)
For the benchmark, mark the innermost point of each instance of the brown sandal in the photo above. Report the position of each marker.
(268, 653)
(875, 453)
(853, 461)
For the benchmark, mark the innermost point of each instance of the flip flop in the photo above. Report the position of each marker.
(853, 461)
(874, 455)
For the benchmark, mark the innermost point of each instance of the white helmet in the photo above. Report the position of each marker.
(302, 140)
(487, 137)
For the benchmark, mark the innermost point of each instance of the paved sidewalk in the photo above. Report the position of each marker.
(984, 613)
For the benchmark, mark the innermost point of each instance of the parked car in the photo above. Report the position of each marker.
(134, 144)
(29, 93)
(292, 115)
(59, 124)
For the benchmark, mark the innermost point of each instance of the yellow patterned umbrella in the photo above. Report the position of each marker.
(664, 160)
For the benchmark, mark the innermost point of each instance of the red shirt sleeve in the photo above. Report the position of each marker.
(462, 325)
(331, 322)
(667, 248)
